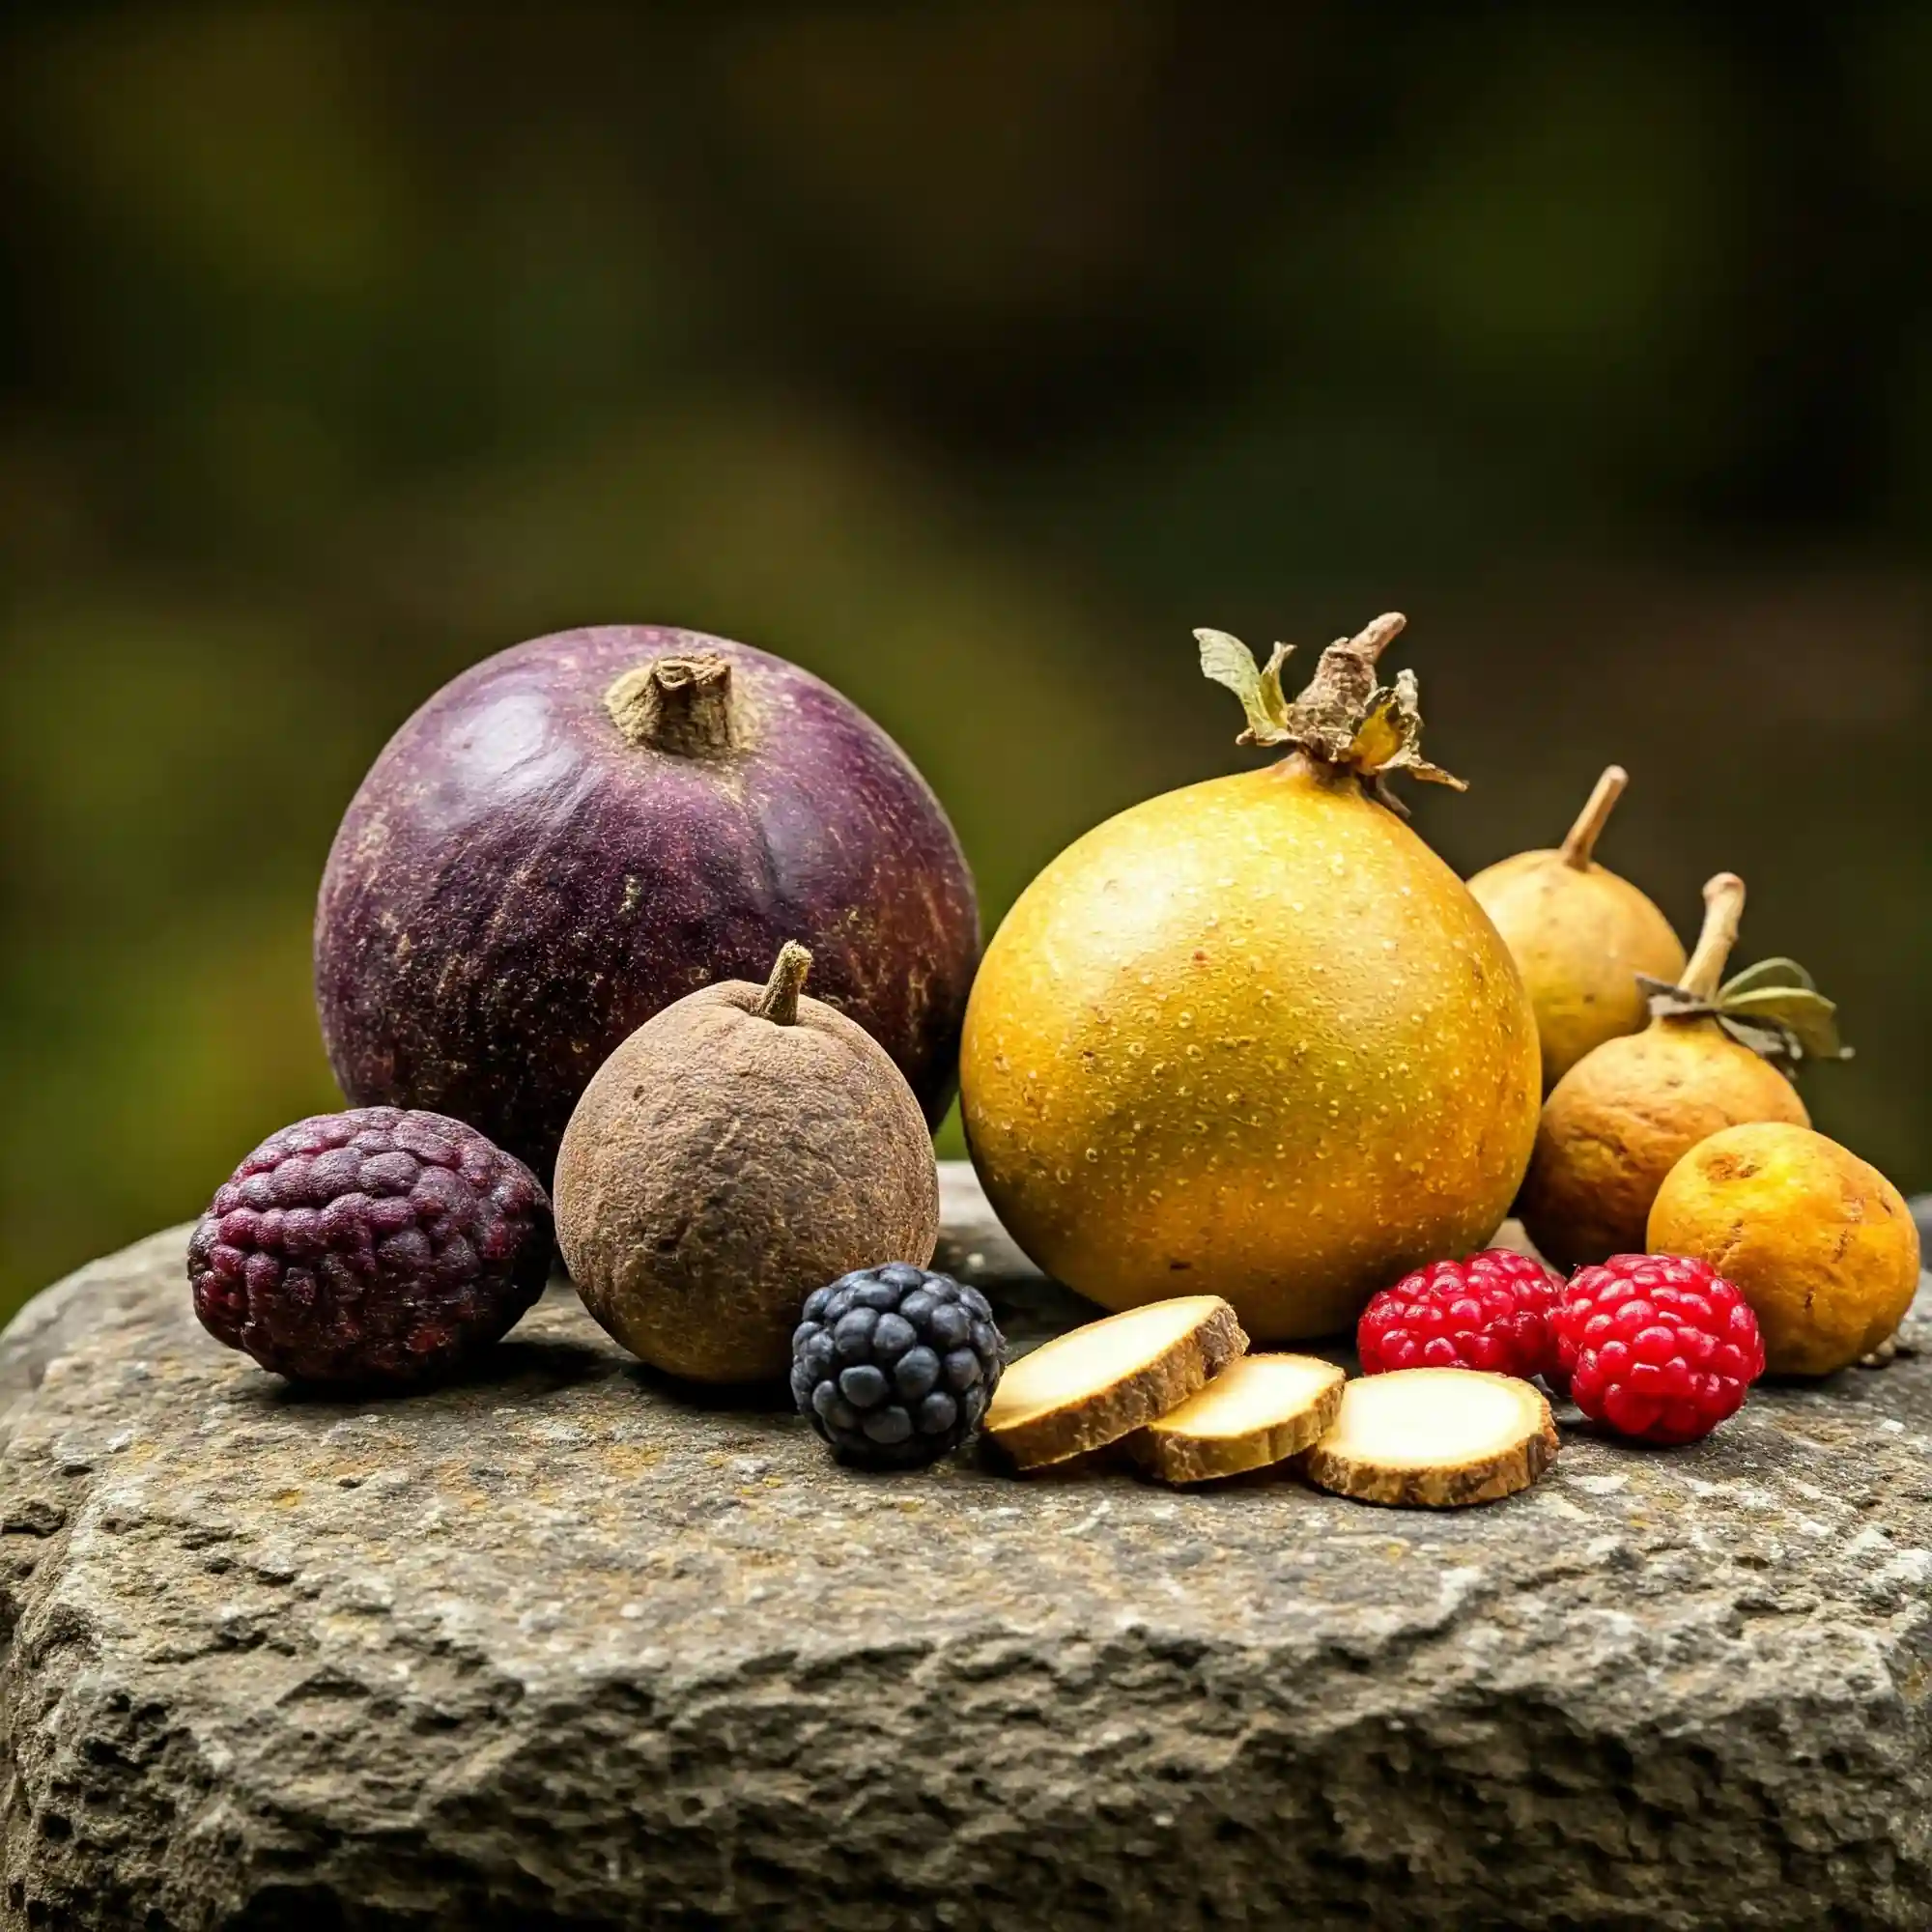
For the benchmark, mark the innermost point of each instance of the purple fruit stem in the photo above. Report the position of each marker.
(676, 704)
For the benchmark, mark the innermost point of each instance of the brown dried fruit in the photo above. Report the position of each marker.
(741, 1149)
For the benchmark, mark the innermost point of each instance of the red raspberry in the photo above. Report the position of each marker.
(1490, 1312)
(1660, 1347)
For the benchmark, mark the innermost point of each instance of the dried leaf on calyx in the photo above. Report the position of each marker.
(1228, 661)
(1345, 717)
(1260, 1409)
(1773, 1008)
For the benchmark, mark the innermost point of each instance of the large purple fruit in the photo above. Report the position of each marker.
(579, 831)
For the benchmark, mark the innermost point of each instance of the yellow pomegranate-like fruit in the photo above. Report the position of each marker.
(1819, 1243)
(1254, 1038)
(1580, 936)
(1624, 1116)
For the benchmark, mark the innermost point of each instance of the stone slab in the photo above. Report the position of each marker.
(566, 1647)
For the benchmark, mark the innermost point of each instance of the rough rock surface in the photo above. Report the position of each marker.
(563, 1647)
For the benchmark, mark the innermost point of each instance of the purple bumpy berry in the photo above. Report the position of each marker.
(894, 1366)
(379, 1247)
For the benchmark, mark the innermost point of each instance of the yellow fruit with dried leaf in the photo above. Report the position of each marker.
(1624, 1116)
(1254, 1037)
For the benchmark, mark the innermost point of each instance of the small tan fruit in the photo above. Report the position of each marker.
(1259, 1410)
(1624, 1116)
(1819, 1243)
(1435, 1439)
(741, 1149)
(1093, 1385)
(1580, 935)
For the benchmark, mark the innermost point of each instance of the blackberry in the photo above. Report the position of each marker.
(381, 1247)
(894, 1366)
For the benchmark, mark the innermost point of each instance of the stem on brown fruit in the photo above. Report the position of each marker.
(1581, 845)
(779, 1002)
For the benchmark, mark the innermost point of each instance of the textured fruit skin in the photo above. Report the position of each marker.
(1623, 1117)
(1490, 1312)
(722, 1165)
(893, 1366)
(378, 1247)
(516, 887)
(1819, 1243)
(1660, 1347)
(1579, 939)
(1252, 1037)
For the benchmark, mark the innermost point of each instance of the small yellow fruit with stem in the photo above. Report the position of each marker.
(1819, 1243)
(1624, 1116)
(1580, 935)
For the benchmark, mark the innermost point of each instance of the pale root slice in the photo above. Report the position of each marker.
(1435, 1439)
(1093, 1385)
(1259, 1410)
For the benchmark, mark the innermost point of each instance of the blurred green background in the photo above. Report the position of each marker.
(969, 355)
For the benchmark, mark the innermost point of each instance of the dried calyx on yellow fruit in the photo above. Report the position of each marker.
(1345, 718)
(1819, 1243)
(1623, 1117)
(1254, 1035)
(1583, 938)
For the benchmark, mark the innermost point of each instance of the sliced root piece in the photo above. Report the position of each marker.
(1434, 1437)
(1259, 1410)
(1093, 1385)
